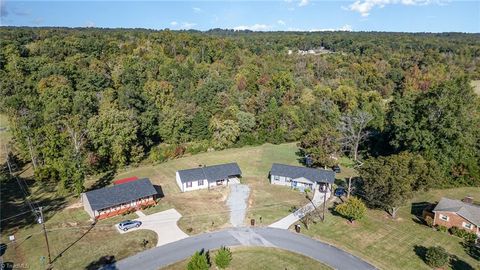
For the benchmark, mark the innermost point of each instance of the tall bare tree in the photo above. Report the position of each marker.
(352, 126)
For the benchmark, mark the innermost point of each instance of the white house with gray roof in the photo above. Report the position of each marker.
(301, 177)
(207, 177)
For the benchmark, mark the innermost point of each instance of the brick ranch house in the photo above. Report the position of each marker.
(207, 177)
(455, 213)
(111, 201)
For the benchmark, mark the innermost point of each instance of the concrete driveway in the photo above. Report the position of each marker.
(163, 223)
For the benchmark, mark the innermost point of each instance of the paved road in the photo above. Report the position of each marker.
(270, 237)
(163, 223)
(287, 221)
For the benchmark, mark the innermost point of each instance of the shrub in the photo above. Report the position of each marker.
(353, 209)
(436, 257)
(307, 190)
(223, 257)
(198, 261)
(429, 221)
(442, 228)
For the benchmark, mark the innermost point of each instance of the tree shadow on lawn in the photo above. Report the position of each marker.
(472, 249)
(15, 210)
(105, 180)
(459, 264)
(73, 243)
(420, 251)
(417, 211)
(105, 263)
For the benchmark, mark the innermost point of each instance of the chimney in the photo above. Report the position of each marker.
(468, 199)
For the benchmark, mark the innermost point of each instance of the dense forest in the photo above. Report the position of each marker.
(81, 101)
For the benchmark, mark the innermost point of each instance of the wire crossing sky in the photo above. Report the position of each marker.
(281, 15)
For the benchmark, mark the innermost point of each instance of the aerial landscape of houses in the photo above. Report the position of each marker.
(240, 135)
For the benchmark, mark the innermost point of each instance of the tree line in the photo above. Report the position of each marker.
(82, 101)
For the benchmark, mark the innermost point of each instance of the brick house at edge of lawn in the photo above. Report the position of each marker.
(455, 213)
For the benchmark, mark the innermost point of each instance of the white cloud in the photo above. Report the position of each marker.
(303, 3)
(90, 24)
(188, 25)
(345, 27)
(255, 27)
(281, 22)
(197, 10)
(365, 6)
(174, 23)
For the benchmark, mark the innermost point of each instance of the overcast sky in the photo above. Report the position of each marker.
(286, 15)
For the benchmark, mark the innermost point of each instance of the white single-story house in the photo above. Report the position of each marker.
(207, 176)
(301, 177)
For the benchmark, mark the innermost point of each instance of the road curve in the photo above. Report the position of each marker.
(158, 257)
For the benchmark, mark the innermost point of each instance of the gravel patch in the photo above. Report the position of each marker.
(237, 201)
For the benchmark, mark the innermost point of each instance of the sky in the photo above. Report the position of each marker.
(266, 15)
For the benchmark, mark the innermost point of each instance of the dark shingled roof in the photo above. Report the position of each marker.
(314, 175)
(115, 195)
(468, 211)
(211, 173)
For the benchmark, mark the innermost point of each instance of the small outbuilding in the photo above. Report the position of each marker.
(120, 198)
(301, 177)
(207, 177)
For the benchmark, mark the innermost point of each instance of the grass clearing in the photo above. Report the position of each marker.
(5, 136)
(263, 259)
(74, 244)
(392, 244)
(476, 86)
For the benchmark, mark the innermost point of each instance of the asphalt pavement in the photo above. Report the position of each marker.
(268, 237)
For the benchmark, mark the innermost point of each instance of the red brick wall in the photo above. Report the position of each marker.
(454, 220)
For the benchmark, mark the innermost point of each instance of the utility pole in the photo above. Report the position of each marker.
(42, 221)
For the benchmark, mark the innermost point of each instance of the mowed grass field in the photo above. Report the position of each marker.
(262, 259)
(394, 244)
(206, 210)
(5, 136)
(74, 243)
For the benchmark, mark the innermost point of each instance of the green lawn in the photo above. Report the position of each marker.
(391, 244)
(74, 244)
(5, 136)
(476, 86)
(263, 259)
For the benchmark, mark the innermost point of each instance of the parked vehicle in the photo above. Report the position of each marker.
(129, 224)
(339, 192)
(336, 169)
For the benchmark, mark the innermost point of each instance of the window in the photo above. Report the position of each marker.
(277, 177)
(189, 184)
(200, 182)
(444, 217)
(467, 225)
